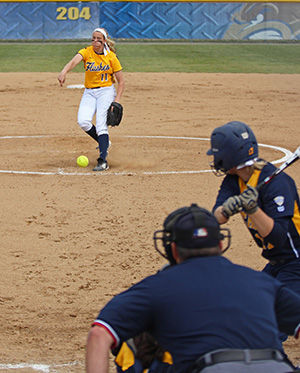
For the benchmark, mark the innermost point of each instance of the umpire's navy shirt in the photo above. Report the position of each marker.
(204, 304)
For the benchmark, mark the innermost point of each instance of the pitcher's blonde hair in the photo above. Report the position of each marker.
(259, 164)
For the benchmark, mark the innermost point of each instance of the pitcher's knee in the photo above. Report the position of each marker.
(84, 124)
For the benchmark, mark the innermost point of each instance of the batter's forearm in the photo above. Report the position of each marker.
(219, 215)
(262, 222)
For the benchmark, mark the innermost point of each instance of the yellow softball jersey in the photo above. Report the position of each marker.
(99, 69)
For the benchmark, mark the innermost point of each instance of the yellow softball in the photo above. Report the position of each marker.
(82, 161)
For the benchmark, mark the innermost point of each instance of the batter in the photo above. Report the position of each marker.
(274, 223)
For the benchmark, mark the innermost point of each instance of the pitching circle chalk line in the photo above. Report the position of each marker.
(287, 154)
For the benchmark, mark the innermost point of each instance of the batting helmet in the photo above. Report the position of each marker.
(190, 227)
(232, 144)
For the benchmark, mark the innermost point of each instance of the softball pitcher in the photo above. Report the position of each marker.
(102, 70)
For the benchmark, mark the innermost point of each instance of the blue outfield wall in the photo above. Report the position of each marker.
(150, 20)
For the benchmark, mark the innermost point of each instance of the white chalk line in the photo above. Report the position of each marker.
(287, 154)
(38, 367)
(29, 137)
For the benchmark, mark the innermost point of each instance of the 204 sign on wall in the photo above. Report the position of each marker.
(73, 13)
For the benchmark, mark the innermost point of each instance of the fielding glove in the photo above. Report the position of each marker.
(232, 206)
(114, 114)
(249, 200)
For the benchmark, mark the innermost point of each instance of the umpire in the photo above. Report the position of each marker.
(210, 314)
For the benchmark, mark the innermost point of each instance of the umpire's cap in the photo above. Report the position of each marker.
(196, 228)
(190, 227)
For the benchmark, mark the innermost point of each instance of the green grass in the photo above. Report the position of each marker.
(166, 57)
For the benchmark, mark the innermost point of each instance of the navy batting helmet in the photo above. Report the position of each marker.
(191, 227)
(232, 144)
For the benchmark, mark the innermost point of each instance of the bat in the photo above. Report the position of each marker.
(293, 158)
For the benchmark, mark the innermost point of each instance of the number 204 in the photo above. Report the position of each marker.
(73, 13)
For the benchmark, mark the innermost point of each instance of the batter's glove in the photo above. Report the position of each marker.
(114, 114)
(232, 206)
(249, 200)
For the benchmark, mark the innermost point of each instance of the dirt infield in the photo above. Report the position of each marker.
(71, 239)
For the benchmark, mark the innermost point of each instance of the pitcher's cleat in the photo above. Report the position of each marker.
(101, 166)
